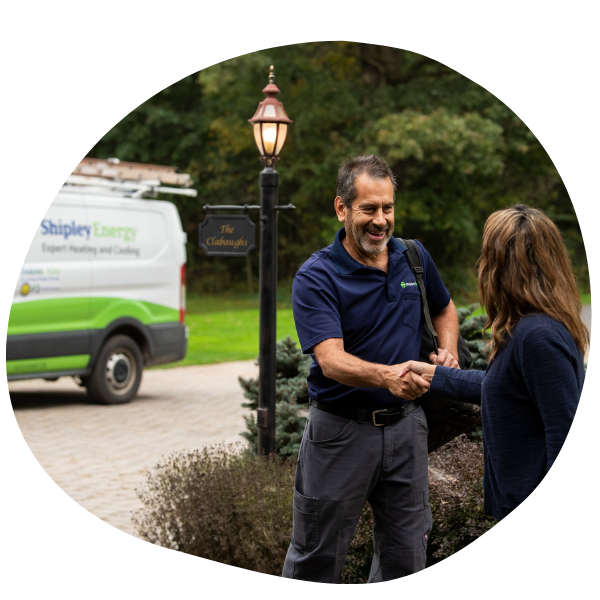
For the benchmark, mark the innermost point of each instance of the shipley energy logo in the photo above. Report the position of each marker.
(72, 229)
(407, 284)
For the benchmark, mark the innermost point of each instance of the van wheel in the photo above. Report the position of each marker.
(117, 373)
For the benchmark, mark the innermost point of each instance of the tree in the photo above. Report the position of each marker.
(459, 152)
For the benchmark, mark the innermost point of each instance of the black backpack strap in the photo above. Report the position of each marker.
(413, 256)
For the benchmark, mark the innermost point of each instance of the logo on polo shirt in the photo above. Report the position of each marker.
(408, 283)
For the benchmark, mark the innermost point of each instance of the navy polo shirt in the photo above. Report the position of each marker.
(377, 314)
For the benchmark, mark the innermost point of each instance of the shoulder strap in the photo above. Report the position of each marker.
(414, 260)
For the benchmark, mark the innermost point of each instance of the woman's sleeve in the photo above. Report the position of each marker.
(550, 376)
(456, 384)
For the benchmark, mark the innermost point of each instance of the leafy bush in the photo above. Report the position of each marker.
(226, 504)
(220, 503)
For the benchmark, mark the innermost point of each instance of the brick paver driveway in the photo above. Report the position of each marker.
(99, 454)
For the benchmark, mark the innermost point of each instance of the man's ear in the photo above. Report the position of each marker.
(340, 209)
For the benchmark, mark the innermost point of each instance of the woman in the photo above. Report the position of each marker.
(531, 388)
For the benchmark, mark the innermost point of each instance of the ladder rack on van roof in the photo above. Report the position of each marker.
(134, 180)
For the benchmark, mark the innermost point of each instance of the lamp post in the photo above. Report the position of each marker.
(270, 125)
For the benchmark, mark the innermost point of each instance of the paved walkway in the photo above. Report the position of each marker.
(99, 454)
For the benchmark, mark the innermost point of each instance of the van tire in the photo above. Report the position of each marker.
(117, 374)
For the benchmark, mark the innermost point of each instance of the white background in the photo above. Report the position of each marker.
(72, 70)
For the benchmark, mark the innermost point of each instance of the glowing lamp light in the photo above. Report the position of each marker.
(270, 124)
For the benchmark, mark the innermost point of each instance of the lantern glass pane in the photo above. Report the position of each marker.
(269, 135)
(269, 111)
(281, 138)
(258, 138)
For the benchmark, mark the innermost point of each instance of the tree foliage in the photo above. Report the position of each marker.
(458, 151)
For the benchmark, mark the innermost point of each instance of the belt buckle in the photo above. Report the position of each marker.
(374, 413)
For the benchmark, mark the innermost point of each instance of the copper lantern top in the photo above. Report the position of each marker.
(270, 110)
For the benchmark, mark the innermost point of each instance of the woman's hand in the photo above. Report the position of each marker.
(445, 358)
(424, 370)
(404, 383)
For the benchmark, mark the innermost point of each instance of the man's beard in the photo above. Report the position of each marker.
(359, 233)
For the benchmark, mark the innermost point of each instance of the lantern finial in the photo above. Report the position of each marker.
(271, 75)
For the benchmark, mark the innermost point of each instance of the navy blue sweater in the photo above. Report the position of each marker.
(528, 398)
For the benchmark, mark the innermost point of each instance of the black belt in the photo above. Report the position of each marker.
(379, 418)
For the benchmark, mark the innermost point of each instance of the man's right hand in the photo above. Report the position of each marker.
(410, 386)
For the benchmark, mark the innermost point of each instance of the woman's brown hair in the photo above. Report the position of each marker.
(525, 268)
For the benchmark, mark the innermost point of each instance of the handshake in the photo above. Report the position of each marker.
(412, 379)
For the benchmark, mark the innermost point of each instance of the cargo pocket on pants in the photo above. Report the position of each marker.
(306, 522)
(427, 518)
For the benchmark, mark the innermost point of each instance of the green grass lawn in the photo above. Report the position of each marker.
(225, 328)
(229, 335)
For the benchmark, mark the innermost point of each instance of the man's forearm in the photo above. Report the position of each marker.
(350, 370)
(446, 326)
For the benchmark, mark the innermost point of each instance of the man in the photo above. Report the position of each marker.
(357, 310)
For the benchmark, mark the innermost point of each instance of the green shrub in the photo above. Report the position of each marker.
(471, 329)
(226, 504)
(291, 400)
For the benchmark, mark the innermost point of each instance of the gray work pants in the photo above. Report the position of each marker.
(341, 465)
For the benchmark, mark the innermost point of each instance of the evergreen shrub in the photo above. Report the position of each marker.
(471, 329)
(291, 399)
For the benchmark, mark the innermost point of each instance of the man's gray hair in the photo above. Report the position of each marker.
(370, 165)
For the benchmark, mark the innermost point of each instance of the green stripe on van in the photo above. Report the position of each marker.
(46, 365)
(75, 314)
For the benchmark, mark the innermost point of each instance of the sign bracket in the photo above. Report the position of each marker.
(243, 207)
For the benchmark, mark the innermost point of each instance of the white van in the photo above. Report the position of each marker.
(102, 291)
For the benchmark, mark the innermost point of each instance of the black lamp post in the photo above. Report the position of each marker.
(270, 129)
